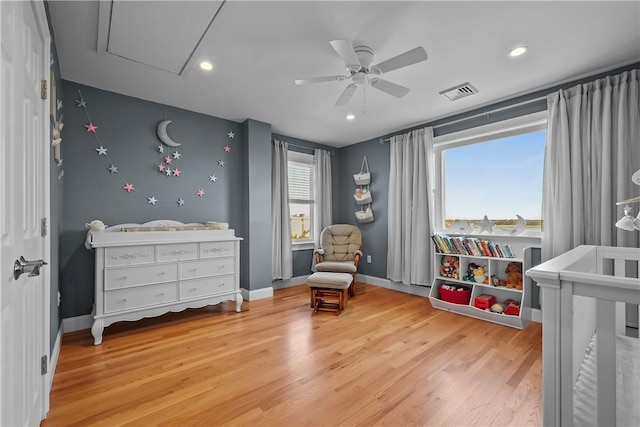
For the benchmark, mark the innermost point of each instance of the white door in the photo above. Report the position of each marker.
(24, 183)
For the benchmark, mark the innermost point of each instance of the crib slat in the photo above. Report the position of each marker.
(606, 362)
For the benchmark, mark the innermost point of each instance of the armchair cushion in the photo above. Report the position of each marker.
(337, 267)
(340, 242)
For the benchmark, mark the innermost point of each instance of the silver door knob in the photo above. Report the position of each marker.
(21, 266)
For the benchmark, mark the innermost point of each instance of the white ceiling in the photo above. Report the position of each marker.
(151, 49)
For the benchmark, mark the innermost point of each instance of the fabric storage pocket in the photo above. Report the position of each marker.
(364, 177)
(362, 197)
(364, 216)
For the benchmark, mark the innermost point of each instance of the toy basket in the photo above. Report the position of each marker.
(455, 297)
(364, 216)
(364, 198)
(363, 178)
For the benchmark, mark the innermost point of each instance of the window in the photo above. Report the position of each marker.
(301, 198)
(494, 170)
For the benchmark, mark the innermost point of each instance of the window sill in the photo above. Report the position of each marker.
(301, 246)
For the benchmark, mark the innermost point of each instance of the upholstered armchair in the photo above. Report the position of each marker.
(340, 251)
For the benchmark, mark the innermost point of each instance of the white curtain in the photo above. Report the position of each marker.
(322, 195)
(281, 255)
(593, 148)
(410, 252)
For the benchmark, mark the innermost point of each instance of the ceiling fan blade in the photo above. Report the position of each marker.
(408, 58)
(344, 48)
(390, 88)
(320, 79)
(347, 94)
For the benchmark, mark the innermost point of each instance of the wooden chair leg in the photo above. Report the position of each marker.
(312, 296)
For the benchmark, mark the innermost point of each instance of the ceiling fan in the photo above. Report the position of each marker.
(362, 71)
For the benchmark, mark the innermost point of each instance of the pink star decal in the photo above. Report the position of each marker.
(91, 127)
(227, 149)
(200, 192)
(129, 188)
(160, 167)
(168, 160)
(176, 172)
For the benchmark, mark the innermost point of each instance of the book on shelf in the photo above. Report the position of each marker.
(470, 246)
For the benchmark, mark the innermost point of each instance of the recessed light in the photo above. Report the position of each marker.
(206, 65)
(350, 117)
(520, 50)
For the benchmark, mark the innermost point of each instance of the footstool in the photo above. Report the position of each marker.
(325, 284)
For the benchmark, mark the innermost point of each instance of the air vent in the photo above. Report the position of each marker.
(460, 91)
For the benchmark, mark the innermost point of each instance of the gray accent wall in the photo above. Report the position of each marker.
(127, 129)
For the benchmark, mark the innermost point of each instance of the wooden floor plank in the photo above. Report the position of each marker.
(388, 359)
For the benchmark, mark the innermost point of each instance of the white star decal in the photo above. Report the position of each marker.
(152, 200)
(213, 178)
(59, 105)
(81, 103)
(168, 171)
(221, 163)
(231, 135)
(176, 155)
(180, 202)
(486, 225)
(160, 148)
(101, 151)
(113, 169)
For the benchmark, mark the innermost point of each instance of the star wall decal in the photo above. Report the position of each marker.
(176, 172)
(59, 104)
(81, 103)
(160, 167)
(168, 160)
(113, 169)
(101, 151)
(129, 187)
(221, 163)
(180, 202)
(91, 127)
(152, 200)
(161, 148)
(227, 149)
(200, 192)
(176, 155)
(168, 171)
(231, 134)
(213, 178)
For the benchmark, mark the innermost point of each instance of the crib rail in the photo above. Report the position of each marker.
(583, 291)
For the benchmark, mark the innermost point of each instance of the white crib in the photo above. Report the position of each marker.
(584, 292)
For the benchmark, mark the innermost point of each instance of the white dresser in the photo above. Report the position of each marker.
(145, 270)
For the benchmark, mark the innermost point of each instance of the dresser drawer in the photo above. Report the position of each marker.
(204, 268)
(195, 288)
(126, 277)
(129, 255)
(177, 252)
(144, 296)
(216, 249)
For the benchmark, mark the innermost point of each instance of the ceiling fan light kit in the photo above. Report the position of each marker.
(362, 70)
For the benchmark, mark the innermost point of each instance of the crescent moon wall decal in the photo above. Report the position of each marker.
(520, 225)
(163, 136)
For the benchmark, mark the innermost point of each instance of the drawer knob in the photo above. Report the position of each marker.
(122, 278)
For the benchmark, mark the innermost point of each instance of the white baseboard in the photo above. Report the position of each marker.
(78, 323)
(262, 293)
(294, 281)
(53, 363)
(422, 291)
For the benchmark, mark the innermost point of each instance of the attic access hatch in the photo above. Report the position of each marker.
(459, 91)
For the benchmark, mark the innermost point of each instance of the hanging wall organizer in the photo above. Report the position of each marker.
(362, 194)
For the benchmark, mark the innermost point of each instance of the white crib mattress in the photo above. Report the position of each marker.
(628, 385)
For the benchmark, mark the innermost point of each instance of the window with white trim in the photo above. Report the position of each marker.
(493, 170)
(301, 168)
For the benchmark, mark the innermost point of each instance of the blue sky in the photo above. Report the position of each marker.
(500, 178)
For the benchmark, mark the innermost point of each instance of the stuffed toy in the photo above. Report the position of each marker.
(94, 226)
(514, 275)
(449, 267)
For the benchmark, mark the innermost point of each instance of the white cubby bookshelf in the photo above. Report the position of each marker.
(494, 266)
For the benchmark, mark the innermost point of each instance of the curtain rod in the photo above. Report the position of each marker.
(306, 148)
(484, 113)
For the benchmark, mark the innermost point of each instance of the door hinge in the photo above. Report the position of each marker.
(43, 227)
(43, 89)
(43, 365)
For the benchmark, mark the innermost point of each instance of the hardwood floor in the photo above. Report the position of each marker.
(388, 359)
